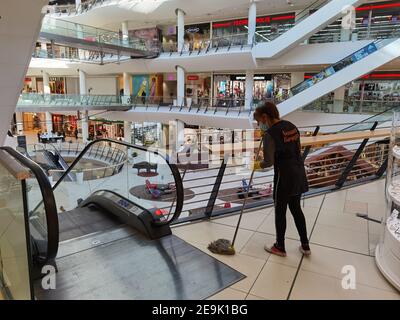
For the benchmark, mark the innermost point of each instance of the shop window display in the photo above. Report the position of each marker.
(267, 27)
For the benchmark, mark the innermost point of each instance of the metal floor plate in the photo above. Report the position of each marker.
(135, 267)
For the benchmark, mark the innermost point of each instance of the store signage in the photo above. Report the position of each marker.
(259, 21)
(193, 77)
(28, 79)
(193, 30)
(54, 79)
(379, 6)
(257, 77)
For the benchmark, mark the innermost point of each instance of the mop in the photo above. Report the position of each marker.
(224, 246)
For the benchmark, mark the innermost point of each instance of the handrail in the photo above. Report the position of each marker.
(174, 169)
(49, 205)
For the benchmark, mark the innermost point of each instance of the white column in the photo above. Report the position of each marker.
(296, 78)
(19, 119)
(127, 87)
(85, 125)
(82, 82)
(180, 82)
(46, 83)
(43, 46)
(128, 131)
(77, 4)
(348, 24)
(181, 28)
(176, 139)
(252, 22)
(125, 30)
(49, 122)
(249, 89)
(338, 99)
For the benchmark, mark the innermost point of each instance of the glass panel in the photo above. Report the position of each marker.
(144, 177)
(14, 265)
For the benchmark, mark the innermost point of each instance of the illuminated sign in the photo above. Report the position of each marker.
(259, 21)
(193, 77)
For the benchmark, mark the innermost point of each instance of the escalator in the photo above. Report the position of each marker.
(110, 238)
(54, 161)
(361, 62)
(308, 22)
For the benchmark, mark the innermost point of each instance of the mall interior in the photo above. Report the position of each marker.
(129, 144)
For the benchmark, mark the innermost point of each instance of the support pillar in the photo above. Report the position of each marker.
(85, 126)
(180, 14)
(128, 131)
(19, 119)
(127, 88)
(180, 80)
(249, 90)
(49, 122)
(348, 24)
(125, 31)
(252, 22)
(82, 82)
(46, 83)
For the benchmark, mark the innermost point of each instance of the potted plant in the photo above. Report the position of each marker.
(79, 176)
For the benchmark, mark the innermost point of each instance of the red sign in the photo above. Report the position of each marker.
(192, 77)
(259, 20)
(28, 79)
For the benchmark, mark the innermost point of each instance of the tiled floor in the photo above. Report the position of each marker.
(338, 239)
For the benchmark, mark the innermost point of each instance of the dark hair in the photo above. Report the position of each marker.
(269, 109)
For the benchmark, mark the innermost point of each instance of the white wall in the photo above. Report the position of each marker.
(102, 85)
(19, 27)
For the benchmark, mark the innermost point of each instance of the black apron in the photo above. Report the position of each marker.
(290, 176)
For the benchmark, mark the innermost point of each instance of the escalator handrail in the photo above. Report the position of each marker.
(48, 201)
(174, 169)
(334, 64)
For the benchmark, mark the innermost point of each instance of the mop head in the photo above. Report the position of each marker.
(221, 246)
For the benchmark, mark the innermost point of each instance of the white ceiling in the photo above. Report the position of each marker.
(146, 13)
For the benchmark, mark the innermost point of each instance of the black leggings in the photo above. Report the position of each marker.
(280, 219)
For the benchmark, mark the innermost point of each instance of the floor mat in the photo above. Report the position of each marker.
(136, 268)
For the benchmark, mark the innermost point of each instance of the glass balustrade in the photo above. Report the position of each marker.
(91, 34)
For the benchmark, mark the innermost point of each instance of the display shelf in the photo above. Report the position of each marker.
(387, 253)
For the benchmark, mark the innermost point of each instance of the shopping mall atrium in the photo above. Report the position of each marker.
(142, 157)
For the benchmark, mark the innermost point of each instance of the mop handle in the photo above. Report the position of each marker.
(247, 194)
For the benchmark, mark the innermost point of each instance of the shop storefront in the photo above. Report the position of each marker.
(197, 88)
(65, 124)
(233, 86)
(34, 121)
(266, 27)
(148, 87)
(197, 36)
(147, 134)
(99, 129)
(151, 37)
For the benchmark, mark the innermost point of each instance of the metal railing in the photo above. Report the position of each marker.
(96, 36)
(74, 54)
(191, 104)
(210, 45)
(328, 167)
